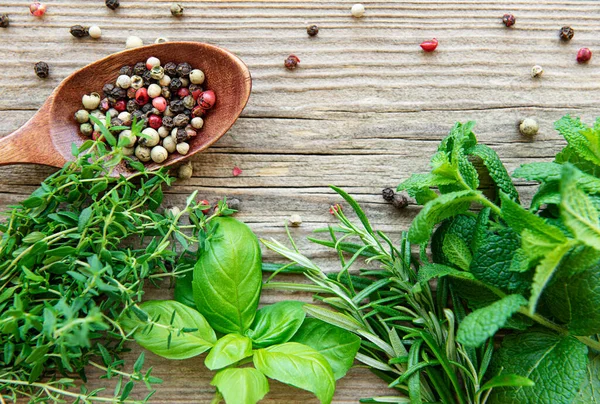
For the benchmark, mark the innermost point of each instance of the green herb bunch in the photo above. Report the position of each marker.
(73, 257)
(216, 311)
(532, 272)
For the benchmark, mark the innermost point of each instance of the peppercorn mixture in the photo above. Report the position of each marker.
(154, 110)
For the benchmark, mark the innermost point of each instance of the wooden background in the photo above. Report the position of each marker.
(365, 108)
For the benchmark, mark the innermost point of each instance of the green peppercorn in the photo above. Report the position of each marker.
(41, 69)
(176, 10)
(82, 116)
(79, 31)
(4, 21)
(86, 129)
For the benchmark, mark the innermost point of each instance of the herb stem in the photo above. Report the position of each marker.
(592, 343)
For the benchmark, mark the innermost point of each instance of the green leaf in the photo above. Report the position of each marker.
(506, 380)
(461, 226)
(483, 323)
(338, 346)
(228, 350)
(435, 211)
(589, 390)
(568, 155)
(539, 171)
(457, 251)
(84, 218)
(430, 271)
(416, 182)
(276, 323)
(496, 169)
(298, 365)
(156, 338)
(33, 237)
(98, 187)
(183, 290)
(241, 385)
(582, 140)
(578, 211)
(227, 277)
(544, 272)
(556, 364)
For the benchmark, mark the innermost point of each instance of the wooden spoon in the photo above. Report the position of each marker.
(47, 137)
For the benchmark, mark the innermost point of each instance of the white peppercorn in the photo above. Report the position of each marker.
(197, 76)
(169, 144)
(128, 151)
(113, 113)
(157, 72)
(197, 122)
(129, 136)
(151, 138)
(163, 131)
(174, 134)
(98, 114)
(190, 132)
(125, 117)
(165, 80)
(159, 154)
(137, 82)
(529, 127)
(537, 71)
(95, 31)
(142, 153)
(123, 81)
(161, 39)
(185, 171)
(295, 220)
(152, 61)
(86, 129)
(91, 101)
(82, 116)
(183, 148)
(133, 42)
(358, 10)
(154, 90)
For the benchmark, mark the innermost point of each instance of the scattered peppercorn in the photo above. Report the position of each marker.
(295, 220)
(509, 20)
(537, 71)
(388, 194)
(185, 171)
(429, 46)
(357, 10)
(529, 127)
(79, 31)
(291, 62)
(234, 203)
(566, 33)
(112, 4)
(95, 31)
(397, 200)
(584, 55)
(133, 42)
(312, 30)
(236, 171)
(41, 69)
(176, 10)
(37, 9)
(4, 21)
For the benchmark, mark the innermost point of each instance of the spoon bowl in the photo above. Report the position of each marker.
(47, 137)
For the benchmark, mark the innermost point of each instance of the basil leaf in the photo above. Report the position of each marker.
(228, 350)
(298, 365)
(241, 385)
(338, 346)
(183, 290)
(276, 323)
(164, 332)
(228, 277)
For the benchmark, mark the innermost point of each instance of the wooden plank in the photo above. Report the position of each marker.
(365, 109)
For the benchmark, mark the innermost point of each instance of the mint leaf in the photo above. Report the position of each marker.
(457, 251)
(482, 324)
(430, 271)
(416, 182)
(582, 140)
(578, 211)
(496, 170)
(461, 226)
(440, 208)
(539, 171)
(556, 364)
(241, 385)
(568, 155)
(589, 390)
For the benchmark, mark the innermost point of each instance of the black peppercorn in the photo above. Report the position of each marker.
(566, 33)
(137, 114)
(167, 122)
(175, 85)
(183, 69)
(312, 30)
(116, 122)
(165, 92)
(112, 4)
(194, 87)
(291, 62)
(170, 69)
(126, 70)
(181, 120)
(114, 93)
(399, 201)
(147, 108)
(132, 106)
(79, 31)
(4, 21)
(107, 88)
(181, 135)
(233, 203)
(147, 78)
(509, 20)
(176, 106)
(139, 68)
(41, 69)
(388, 194)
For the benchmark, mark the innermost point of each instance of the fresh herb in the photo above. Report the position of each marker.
(535, 273)
(278, 339)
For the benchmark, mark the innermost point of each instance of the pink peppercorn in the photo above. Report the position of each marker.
(236, 171)
(335, 208)
(154, 121)
(141, 96)
(207, 99)
(159, 103)
(37, 9)
(104, 105)
(204, 202)
(183, 92)
(584, 55)
(429, 46)
(131, 92)
(196, 93)
(120, 105)
(97, 135)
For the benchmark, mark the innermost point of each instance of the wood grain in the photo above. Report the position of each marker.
(364, 110)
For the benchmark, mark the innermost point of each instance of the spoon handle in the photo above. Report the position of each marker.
(31, 143)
